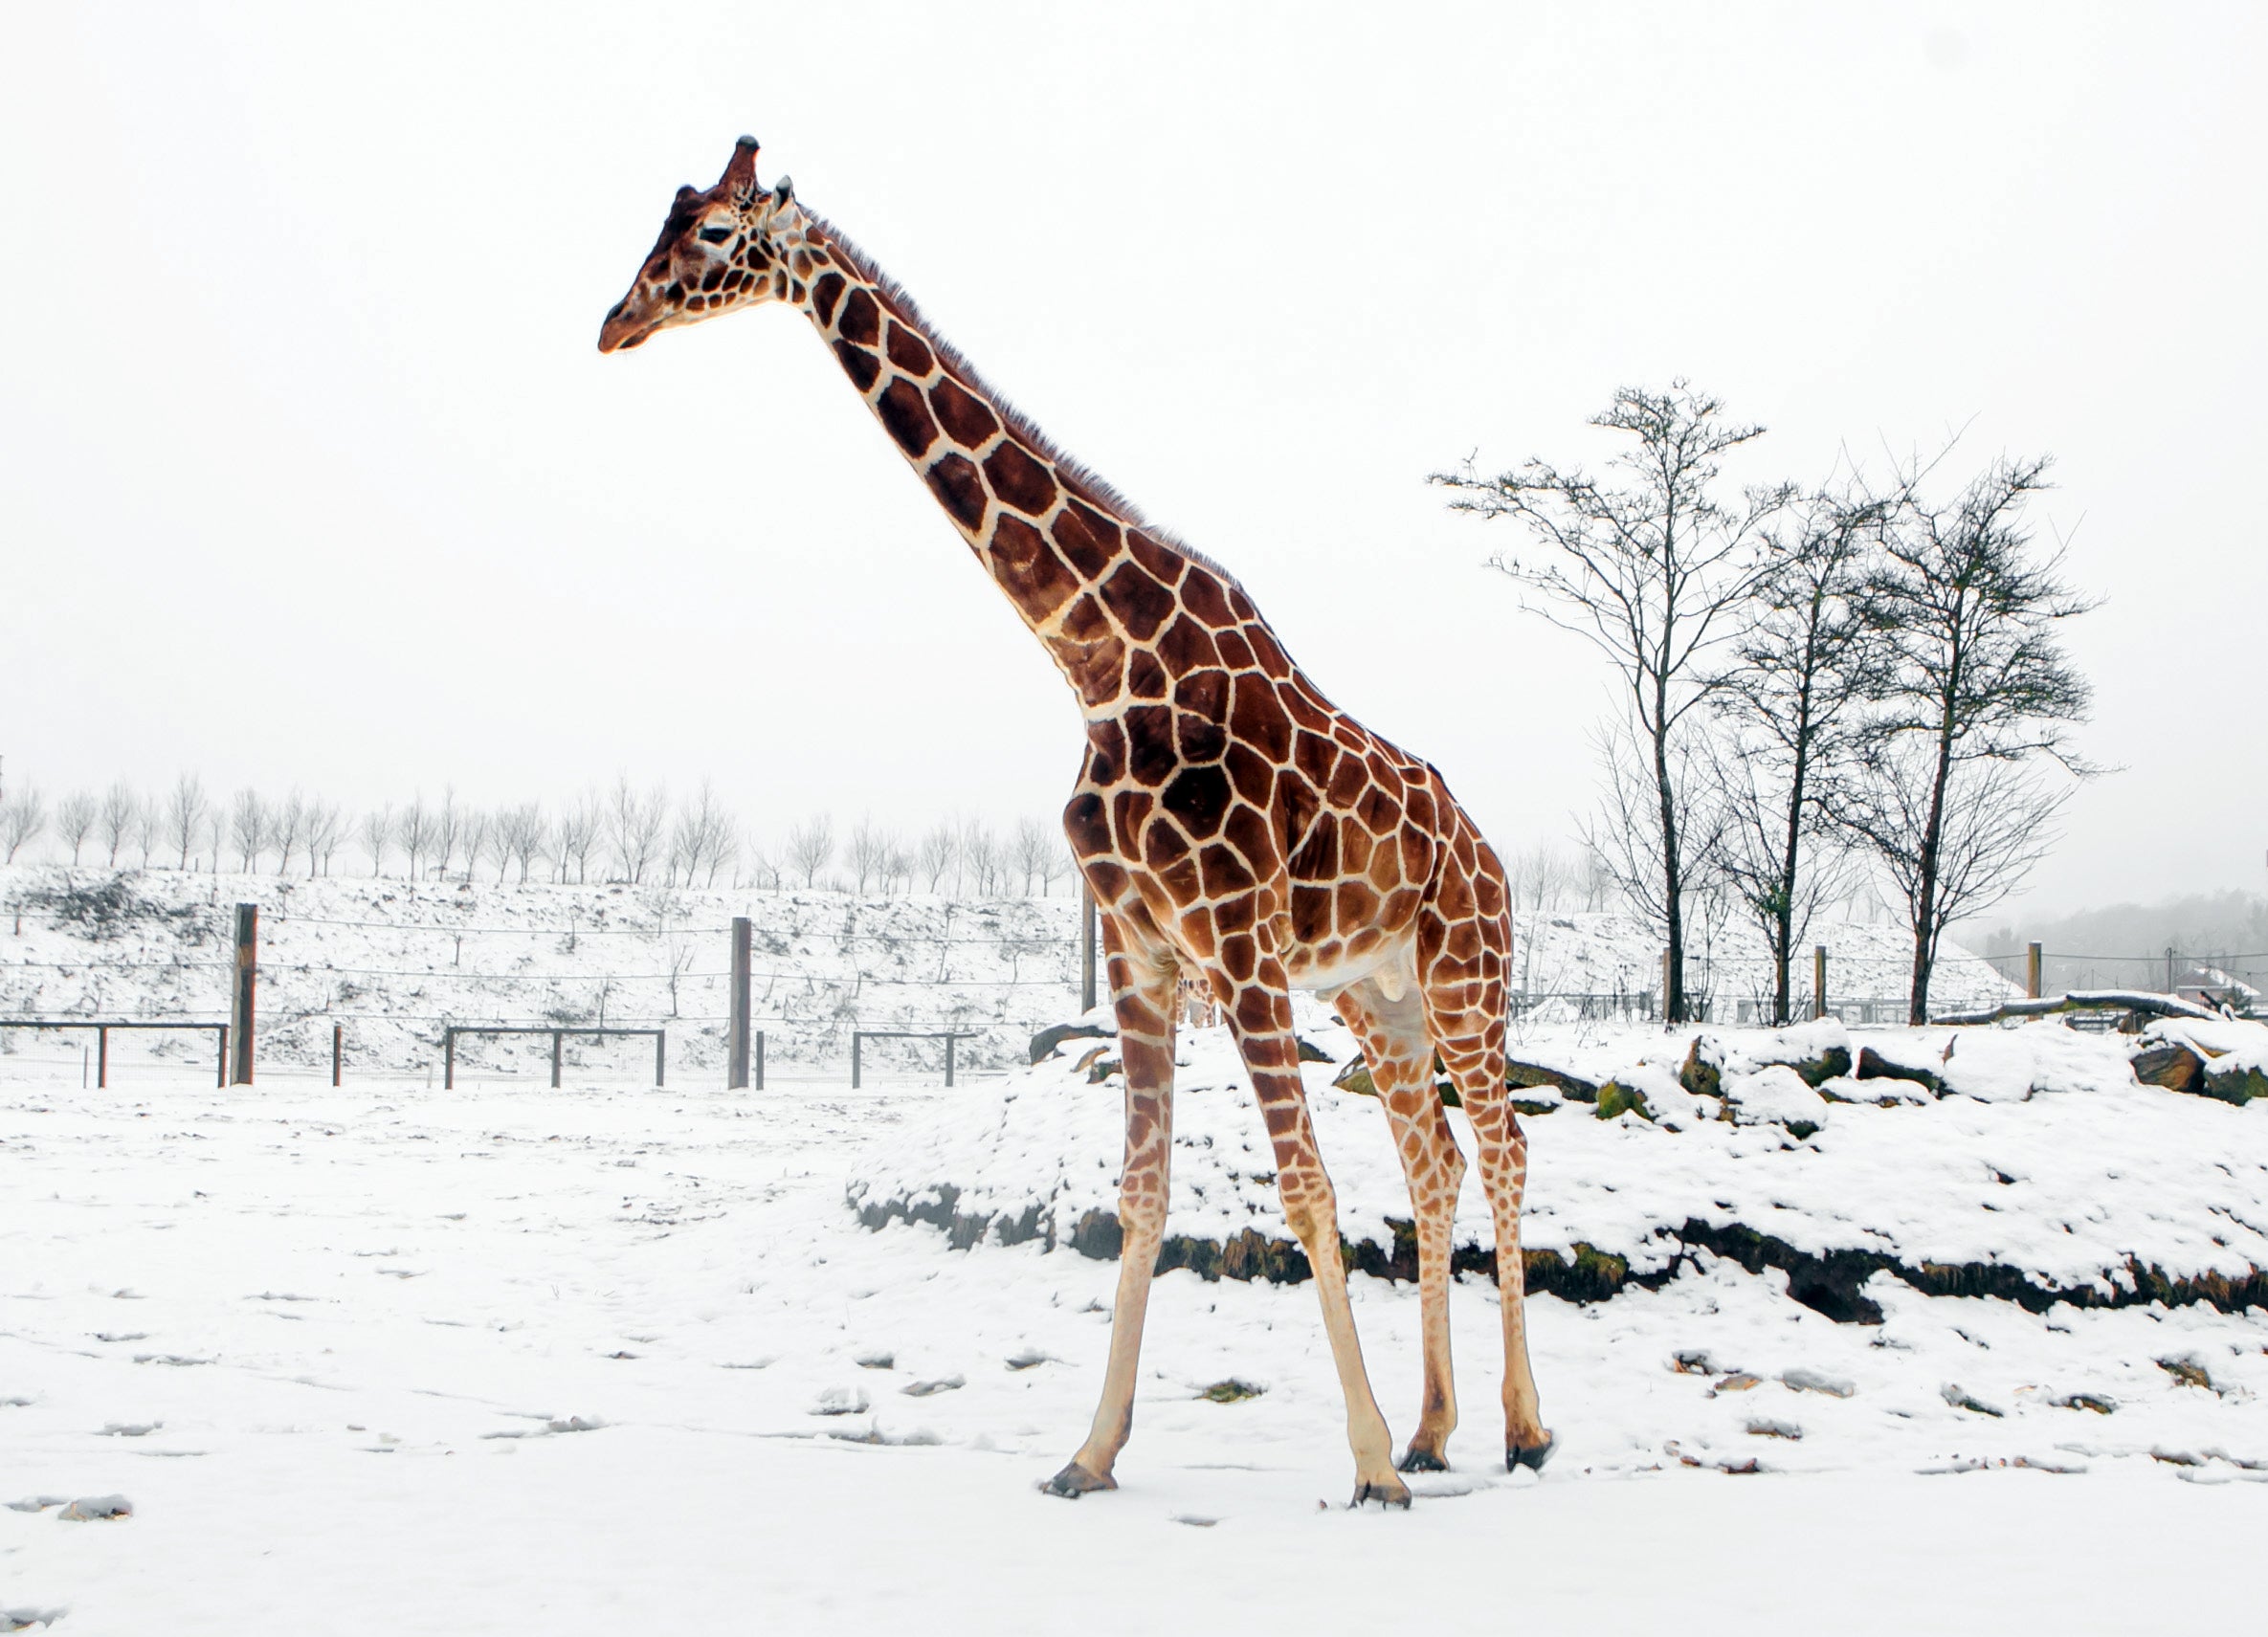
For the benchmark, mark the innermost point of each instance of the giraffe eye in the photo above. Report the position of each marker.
(714, 235)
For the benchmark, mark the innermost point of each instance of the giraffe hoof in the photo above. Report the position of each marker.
(1531, 1456)
(1419, 1459)
(1386, 1491)
(1075, 1480)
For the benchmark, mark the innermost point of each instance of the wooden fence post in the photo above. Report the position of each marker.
(338, 1051)
(660, 1045)
(857, 1040)
(760, 1060)
(736, 1038)
(102, 1056)
(2032, 971)
(449, 1059)
(1086, 947)
(220, 1073)
(248, 939)
(1818, 979)
(556, 1037)
(949, 1062)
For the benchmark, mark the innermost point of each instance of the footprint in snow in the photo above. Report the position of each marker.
(942, 1384)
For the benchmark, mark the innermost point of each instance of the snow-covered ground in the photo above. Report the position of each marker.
(614, 1360)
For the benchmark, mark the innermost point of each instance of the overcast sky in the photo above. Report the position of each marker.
(310, 472)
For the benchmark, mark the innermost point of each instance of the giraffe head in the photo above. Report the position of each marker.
(732, 246)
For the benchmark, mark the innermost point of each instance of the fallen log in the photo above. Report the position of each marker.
(2086, 999)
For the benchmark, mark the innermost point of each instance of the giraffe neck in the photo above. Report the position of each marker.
(1119, 605)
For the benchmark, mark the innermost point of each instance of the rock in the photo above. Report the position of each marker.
(1775, 1094)
(842, 1401)
(1874, 1066)
(2235, 1083)
(1807, 1380)
(1763, 1427)
(1960, 1398)
(93, 1507)
(2172, 1065)
(1055, 1035)
(929, 1389)
(1616, 1100)
(1817, 1051)
(1355, 1077)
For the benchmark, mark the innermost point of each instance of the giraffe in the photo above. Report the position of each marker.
(1234, 825)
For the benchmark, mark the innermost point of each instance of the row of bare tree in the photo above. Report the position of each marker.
(1863, 679)
(621, 833)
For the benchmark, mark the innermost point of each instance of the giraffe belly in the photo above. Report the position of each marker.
(1325, 971)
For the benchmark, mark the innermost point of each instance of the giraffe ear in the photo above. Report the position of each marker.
(739, 180)
(782, 192)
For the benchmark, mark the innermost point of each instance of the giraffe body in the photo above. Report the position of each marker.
(1235, 826)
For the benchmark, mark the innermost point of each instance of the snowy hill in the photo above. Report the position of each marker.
(394, 962)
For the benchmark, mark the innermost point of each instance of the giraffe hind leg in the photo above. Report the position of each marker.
(1399, 1051)
(1469, 1023)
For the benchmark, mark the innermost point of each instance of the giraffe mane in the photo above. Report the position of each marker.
(1074, 472)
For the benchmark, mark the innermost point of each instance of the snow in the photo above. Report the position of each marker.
(622, 1360)
(617, 1358)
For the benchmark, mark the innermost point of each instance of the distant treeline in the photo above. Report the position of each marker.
(619, 833)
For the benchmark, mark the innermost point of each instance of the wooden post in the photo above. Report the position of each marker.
(248, 939)
(1665, 988)
(949, 1039)
(2170, 969)
(736, 1036)
(1818, 979)
(102, 1057)
(660, 1045)
(338, 1051)
(449, 1059)
(555, 1040)
(221, 1072)
(857, 1040)
(2032, 971)
(760, 1059)
(1086, 947)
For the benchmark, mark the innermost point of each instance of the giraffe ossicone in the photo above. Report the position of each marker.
(1234, 824)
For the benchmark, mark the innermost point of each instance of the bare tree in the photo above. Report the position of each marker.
(579, 835)
(186, 809)
(983, 860)
(114, 825)
(1976, 701)
(288, 825)
(1030, 851)
(251, 830)
(940, 852)
(480, 825)
(448, 828)
(810, 846)
(703, 839)
(74, 821)
(1653, 574)
(375, 833)
(326, 829)
(415, 831)
(1790, 702)
(867, 854)
(23, 815)
(149, 825)
(524, 836)
(634, 826)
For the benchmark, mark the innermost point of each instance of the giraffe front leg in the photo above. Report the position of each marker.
(1142, 994)
(1400, 1057)
(1262, 1017)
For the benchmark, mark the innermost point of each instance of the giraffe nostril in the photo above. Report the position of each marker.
(615, 311)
